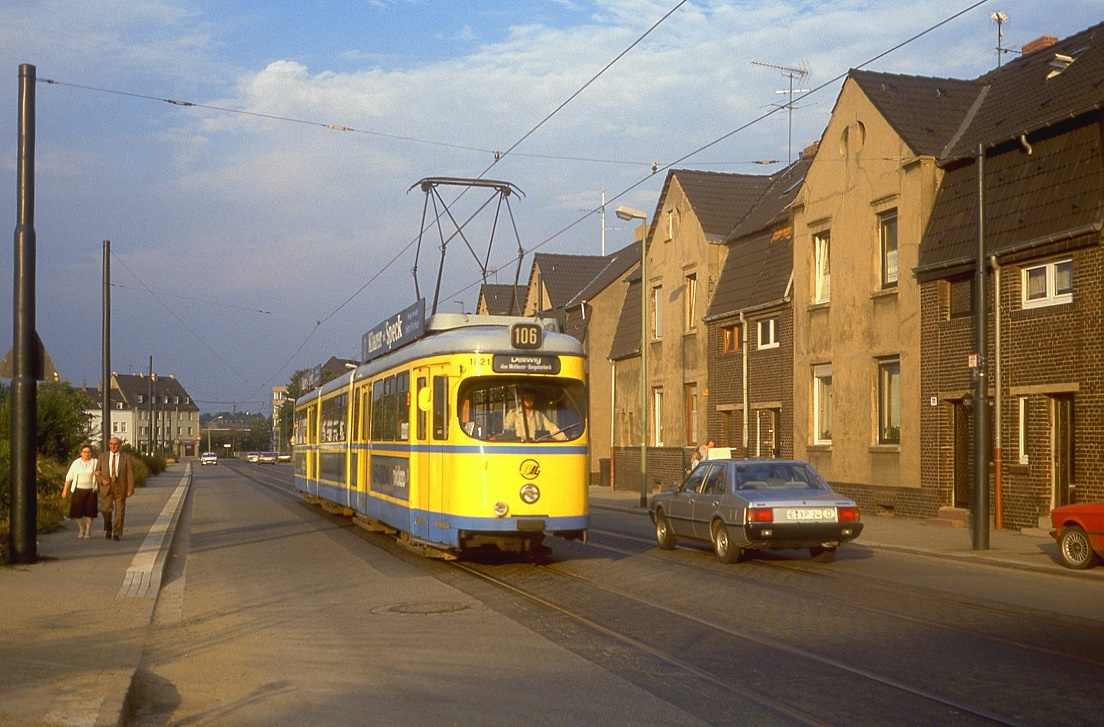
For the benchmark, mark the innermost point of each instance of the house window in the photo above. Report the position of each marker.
(887, 232)
(768, 333)
(657, 312)
(960, 298)
(691, 413)
(140, 399)
(657, 415)
(1048, 284)
(822, 404)
(822, 284)
(1021, 409)
(889, 401)
(691, 302)
(730, 338)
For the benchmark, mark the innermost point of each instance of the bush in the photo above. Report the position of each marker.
(51, 509)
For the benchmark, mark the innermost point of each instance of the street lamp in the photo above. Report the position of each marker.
(628, 213)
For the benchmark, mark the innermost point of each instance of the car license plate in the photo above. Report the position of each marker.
(824, 513)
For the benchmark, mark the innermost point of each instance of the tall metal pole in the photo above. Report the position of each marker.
(980, 505)
(22, 538)
(644, 367)
(105, 355)
(149, 395)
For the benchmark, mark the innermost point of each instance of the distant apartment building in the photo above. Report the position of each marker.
(151, 413)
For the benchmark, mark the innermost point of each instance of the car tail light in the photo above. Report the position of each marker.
(760, 515)
(848, 514)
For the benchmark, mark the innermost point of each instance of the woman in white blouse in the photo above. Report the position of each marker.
(81, 479)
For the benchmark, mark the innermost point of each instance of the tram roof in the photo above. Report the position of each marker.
(458, 333)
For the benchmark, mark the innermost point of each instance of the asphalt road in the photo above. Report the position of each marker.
(274, 612)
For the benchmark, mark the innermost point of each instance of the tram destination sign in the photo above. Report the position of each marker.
(400, 329)
(517, 363)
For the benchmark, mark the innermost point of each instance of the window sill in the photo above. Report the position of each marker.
(819, 447)
(885, 449)
(819, 306)
(885, 293)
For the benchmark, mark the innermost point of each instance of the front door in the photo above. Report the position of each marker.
(962, 452)
(1062, 444)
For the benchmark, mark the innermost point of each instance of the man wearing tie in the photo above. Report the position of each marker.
(116, 485)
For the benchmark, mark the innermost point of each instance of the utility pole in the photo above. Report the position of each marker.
(23, 535)
(791, 73)
(979, 510)
(105, 355)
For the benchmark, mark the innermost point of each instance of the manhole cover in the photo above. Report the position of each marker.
(422, 609)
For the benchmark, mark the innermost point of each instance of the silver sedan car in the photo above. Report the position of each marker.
(741, 505)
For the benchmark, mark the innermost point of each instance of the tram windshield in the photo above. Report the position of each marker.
(506, 410)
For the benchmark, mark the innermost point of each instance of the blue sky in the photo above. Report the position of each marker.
(235, 234)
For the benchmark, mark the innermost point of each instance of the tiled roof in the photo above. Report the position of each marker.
(616, 264)
(503, 300)
(1060, 81)
(626, 340)
(565, 275)
(1047, 189)
(166, 388)
(757, 268)
(925, 112)
(719, 200)
(1051, 195)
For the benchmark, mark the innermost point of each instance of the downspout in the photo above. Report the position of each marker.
(744, 366)
(998, 504)
(613, 414)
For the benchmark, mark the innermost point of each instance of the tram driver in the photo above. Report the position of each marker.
(530, 422)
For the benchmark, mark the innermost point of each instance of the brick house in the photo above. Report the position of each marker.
(750, 326)
(1038, 121)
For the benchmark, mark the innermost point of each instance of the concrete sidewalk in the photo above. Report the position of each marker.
(1033, 550)
(74, 624)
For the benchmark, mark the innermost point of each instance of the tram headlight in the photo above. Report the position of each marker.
(530, 493)
(501, 508)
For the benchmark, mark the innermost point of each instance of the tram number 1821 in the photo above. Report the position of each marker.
(526, 335)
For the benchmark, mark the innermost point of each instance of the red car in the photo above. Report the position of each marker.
(1079, 530)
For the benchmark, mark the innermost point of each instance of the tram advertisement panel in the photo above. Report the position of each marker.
(391, 476)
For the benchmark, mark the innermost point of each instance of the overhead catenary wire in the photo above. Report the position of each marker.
(513, 150)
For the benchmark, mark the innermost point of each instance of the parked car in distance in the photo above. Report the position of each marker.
(267, 458)
(252, 456)
(1079, 530)
(742, 505)
(208, 458)
(283, 457)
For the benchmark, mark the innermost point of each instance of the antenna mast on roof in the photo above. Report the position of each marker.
(1000, 18)
(790, 73)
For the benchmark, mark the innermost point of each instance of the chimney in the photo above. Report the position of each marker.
(1043, 41)
(810, 151)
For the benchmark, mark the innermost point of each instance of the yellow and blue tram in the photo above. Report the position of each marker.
(473, 435)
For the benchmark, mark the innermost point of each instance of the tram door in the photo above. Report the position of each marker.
(430, 434)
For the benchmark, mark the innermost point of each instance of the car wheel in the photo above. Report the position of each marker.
(723, 546)
(664, 536)
(823, 553)
(1075, 548)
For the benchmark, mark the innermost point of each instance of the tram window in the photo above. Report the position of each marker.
(440, 407)
(378, 416)
(402, 406)
(335, 412)
(504, 409)
(422, 416)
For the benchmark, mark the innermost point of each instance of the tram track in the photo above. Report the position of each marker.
(867, 665)
(779, 696)
(1087, 652)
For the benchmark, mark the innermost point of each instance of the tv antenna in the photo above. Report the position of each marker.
(791, 73)
(1000, 18)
